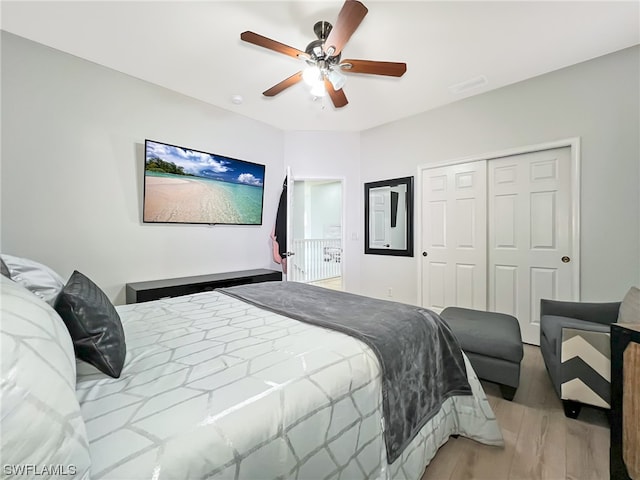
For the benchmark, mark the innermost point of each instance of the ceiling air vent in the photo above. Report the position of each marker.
(470, 84)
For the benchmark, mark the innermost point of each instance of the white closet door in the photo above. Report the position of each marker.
(454, 249)
(530, 235)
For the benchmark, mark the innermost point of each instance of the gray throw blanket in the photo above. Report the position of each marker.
(421, 360)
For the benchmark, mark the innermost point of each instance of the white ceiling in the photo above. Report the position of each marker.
(194, 48)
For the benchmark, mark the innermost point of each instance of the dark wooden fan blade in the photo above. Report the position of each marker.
(338, 97)
(349, 18)
(265, 42)
(391, 69)
(286, 83)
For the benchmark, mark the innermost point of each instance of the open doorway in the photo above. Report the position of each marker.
(316, 233)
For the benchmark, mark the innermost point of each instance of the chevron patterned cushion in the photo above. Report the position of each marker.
(630, 307)
(586, 367)
(40, 418)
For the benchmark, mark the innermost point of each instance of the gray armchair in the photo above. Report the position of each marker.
(575, 345)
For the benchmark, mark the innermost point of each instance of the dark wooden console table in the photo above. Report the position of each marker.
(624, 454)
(174, 287)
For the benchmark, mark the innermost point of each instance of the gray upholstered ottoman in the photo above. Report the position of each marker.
(492, 342)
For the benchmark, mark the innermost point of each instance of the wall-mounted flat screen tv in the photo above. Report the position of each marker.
(183, 185)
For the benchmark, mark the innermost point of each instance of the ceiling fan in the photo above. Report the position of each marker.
(324, 71)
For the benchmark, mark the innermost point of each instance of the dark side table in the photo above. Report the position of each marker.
(624, 453)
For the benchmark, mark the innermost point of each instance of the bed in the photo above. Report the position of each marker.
(216, 387)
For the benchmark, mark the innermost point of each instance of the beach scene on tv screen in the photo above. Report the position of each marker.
(189, 186)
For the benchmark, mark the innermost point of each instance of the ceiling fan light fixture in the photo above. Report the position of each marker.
(337, 78)
(324, 73)
(318, 89)
(311, 75)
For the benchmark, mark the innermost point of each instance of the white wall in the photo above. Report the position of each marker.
(324, 209)
(72, 163)
(300, 208)
(597, 101)
(72, 147)
(334, 155)
(317, 209)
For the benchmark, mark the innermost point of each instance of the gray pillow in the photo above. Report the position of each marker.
(34, 276)
(630, 307)
(4, 270)
(94, 324)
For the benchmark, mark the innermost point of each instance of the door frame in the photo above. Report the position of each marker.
(573, 143)
(306, 178)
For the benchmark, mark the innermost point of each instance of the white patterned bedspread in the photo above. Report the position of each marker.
(216, 388)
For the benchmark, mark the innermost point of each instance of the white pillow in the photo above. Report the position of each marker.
(35, 277)
(630, 307)
(40, 417)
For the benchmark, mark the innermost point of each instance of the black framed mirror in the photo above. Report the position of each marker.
(388, 214)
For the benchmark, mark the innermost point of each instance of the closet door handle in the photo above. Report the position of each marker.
(424, 254)
(565, 259)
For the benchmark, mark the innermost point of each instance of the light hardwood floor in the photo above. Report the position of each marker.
(334, 283)
(540, 442)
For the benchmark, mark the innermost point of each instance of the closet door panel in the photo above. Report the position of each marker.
(529, 228)
(504, 294)
(497, 235)
(454, 236)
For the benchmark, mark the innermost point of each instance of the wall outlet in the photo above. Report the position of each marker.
(390, 292)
